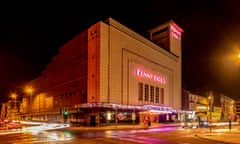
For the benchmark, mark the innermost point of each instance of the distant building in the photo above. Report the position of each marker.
(110, 74)
(238, 109)
(11, 110)
(4, 110)
(211, 106)
(228, 106)
(195, 105)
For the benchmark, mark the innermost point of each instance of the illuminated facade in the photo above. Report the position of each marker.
(238, 109)
(228, 106)
(11, 109)
(213, 106)
(110, 74)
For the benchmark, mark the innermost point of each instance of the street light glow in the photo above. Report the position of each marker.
(13, 95)
(29, 89)
(238, 56)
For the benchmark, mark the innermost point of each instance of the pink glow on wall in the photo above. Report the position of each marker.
(148, 75)
(175, 33)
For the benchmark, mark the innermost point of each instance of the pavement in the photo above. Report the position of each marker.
(224, 135)
(227, 136)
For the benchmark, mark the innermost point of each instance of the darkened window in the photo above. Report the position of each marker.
(157, 95)
(146, 92)
(162, 95)
(151, 93)
(160, 31)
(140, 91)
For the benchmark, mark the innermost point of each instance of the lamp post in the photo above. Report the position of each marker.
(30, 91)
(14, 97)
(231, 114)
(39, 102)
(210, 105)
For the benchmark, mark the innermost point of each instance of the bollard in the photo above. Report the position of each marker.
(230, 125)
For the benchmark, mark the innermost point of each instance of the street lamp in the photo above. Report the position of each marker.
(238, 56)
(14, 96)
(14, 110)
(231, 114)
(30, 91)
(39, 102)
(210, 109)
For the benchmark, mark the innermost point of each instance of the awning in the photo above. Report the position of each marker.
(201, 114)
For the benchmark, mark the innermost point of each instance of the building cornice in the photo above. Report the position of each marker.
(124, 29)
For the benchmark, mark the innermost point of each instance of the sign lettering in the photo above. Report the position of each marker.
(144, 74)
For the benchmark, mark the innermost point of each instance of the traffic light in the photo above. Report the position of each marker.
(65, 113)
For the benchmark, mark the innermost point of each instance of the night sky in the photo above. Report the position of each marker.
(31, 35)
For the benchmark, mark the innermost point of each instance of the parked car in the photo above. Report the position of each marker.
(190, 124)
(203, 123)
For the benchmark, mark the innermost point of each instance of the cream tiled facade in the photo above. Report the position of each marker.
(108, 71)
(122, 52)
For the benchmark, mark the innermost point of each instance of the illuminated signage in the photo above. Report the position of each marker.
(158, 109)
(175, 33)
(148, 75)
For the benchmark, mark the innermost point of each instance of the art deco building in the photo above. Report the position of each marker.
(111, 74)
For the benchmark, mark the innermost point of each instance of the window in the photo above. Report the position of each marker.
(140, 91)
(157, 95)
(146, 92)
(162, 96)
(151, 93)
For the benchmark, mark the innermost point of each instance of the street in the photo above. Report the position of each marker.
(169, 135)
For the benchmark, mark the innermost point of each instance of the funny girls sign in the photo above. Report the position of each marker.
(151, 76)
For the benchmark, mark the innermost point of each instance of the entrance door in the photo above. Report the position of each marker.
(92, 120)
